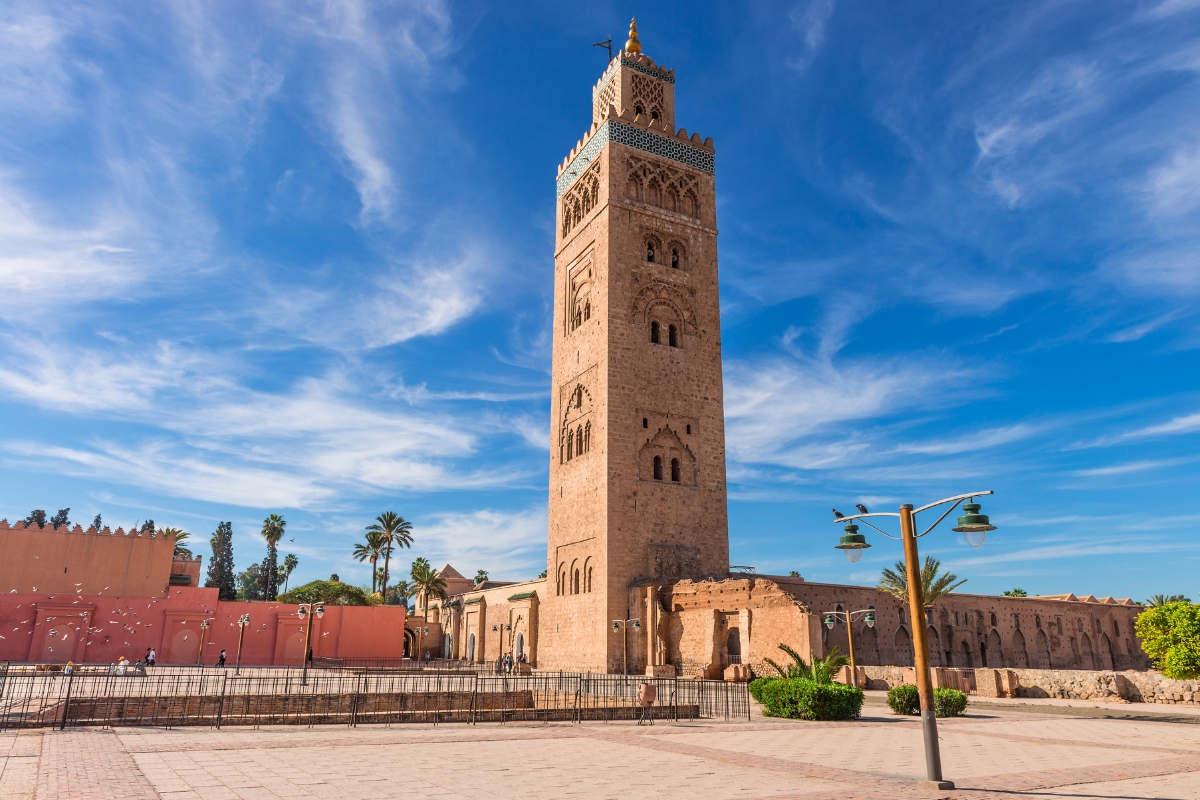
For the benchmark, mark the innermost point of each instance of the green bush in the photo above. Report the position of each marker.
(904, 699)
(330, 593)
(1170, 635)
(801, 698)
(757, 685)
(949, 702)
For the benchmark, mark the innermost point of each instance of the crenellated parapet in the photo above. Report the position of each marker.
(22, 525)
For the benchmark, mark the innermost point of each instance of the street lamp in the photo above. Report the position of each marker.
(974, 526)
(420, 631)
(623, 626)
(308, 611)
(831, 620)
(203, 635)
(242, 623)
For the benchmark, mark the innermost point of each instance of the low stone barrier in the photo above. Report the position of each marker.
(1134, 686)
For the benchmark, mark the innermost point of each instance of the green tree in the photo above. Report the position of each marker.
(395, 531)
(60, 519)
(220, 568)
(250, 583)
(329, 592)
(794, 574)
(181, 537)
(426, 584)
(36, 517)
(543, 573)
(1170, 635)
(821, 670)
(1016, 592)
(371, 550)
(481, 576)
(272, 530)
(97, 523)
(933, 585)
(290, 562)
(1154, 601)
(147, 527)
(398, 596)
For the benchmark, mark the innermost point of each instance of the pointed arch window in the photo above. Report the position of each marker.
(672, 336)
(675, 472)
(674, 258)
(655, 336)
(587, 437)
(658, 470)
(575, 585)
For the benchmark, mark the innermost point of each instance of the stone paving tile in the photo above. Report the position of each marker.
(89, 764)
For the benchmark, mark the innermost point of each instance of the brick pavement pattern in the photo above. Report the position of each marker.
(989, 754)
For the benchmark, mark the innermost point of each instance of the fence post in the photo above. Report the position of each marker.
(474, 690)
(221, 701)
(67, 701)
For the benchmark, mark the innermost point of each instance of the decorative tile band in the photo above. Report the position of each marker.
(631, 136)
(636, 67)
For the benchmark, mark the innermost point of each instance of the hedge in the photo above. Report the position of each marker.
(756, 687)
(904, 699)
(800, 698)
(1170, 635)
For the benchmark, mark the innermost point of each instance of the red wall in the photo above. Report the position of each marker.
(100, 629)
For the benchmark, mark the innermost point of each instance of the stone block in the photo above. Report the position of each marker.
(660, 671)
(737, 673)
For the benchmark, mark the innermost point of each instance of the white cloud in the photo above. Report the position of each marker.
(811, 25)
(1131, 467)
(1188, 423)
(510, 545)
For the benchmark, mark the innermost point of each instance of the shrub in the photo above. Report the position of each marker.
(949, 702)
(330, 593)
(904, 699)
(757, 685)
(801, 698)
(1170, 635)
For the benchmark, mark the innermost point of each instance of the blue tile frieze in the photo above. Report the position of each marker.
(631, 136)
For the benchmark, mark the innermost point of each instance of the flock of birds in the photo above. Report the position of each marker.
(861, 509)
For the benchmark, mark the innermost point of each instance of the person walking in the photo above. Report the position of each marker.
(151, 656)
(221, 659)
(427, 659)
(146, 658)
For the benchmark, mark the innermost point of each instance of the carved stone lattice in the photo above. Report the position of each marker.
(647, 96)
(663, 185)
(581, 199)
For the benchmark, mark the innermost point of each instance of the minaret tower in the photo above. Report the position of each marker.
(637, 434)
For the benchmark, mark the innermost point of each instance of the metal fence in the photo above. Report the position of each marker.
(179, 697)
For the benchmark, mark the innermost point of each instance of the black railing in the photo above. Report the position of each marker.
(217, 698)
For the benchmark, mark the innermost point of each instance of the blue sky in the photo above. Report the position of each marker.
(297, 258)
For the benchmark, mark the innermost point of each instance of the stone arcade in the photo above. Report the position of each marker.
(637, 506)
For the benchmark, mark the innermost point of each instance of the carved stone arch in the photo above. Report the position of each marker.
(676, 254)
(666, 446)
(575, 428)
(654, 192)
(691, 204)
(657, 293)
(652, 248)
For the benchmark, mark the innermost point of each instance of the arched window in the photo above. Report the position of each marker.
(650, 250)
(471, 647)
(993, 619)
(575, 585)
(579, 441)
(638, 110)
(570, 444)
(587, 310)
(689, 429)
(654, 335)
(674, 258)
(589, 579)
(562, 582)
(672, 336)
(587, 437)
(519, 648)
(675, 470)
(645, 422)
(658, 468)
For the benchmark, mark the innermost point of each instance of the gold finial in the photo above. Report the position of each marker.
(633, 45)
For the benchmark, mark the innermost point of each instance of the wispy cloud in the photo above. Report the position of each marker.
(810, 21)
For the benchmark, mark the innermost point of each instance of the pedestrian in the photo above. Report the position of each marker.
(221, 659)
(70, 668)
(426, 658)
(151, 656)
(146, 658)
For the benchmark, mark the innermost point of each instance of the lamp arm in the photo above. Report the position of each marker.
(951, 499)
(840, 520)
(942, 517)
(881, 530)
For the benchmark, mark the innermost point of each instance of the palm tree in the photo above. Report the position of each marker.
(933, 586)
(1154, 601)
(481, 577)
(396, 532)
(371, 551)
(181, 550)
(290, 562)
(272, 531)
(820, 671)
(426, 583)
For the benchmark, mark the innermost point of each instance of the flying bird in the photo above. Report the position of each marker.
(837, 514)
(861, 508)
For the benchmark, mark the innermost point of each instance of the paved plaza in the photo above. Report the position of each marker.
(995, 752)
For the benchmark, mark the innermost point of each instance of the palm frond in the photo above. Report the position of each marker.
(782, 672)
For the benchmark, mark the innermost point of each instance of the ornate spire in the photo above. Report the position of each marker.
(633, 45)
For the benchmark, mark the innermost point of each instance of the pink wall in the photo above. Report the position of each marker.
(100, 629)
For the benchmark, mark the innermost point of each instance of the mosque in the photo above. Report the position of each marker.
(638, 578)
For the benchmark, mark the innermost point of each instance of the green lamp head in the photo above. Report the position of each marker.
(973, 525)
(852, 543)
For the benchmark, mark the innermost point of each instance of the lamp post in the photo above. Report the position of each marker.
(242, 623)
(203, 635)
(974, 526)
(421, 631)
(623, 626)
(831, 620)
(308, 611)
